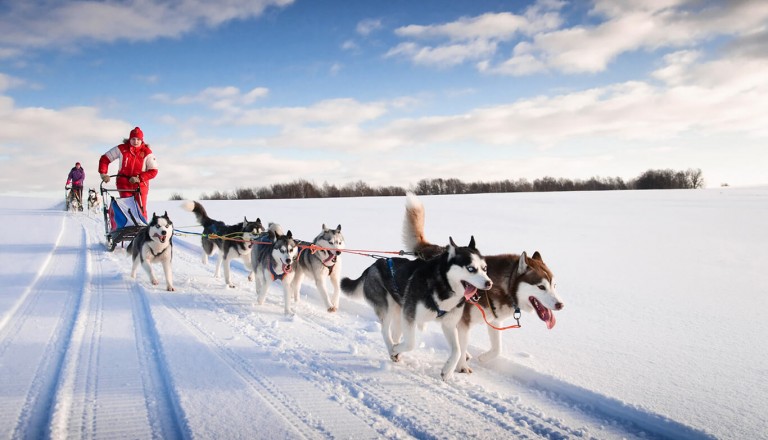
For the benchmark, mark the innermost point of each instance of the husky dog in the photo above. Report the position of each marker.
(406, 294)
(73, 201)
(320, 265)
(520, 283)
(236, 244)
(275, 261)
(154, 244)
(94, 203)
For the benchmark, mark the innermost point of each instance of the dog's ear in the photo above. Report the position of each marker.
(472, 243)
(451, 248)
(537, 256)
(165, 214)
(324, 228)
(289, 235)
(338, 228)
(522, 266)
(245, 220)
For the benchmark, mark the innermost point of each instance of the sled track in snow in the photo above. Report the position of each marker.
(109, 389)
(46, 311)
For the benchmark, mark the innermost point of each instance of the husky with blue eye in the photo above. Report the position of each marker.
(154, 244)
(406, 294)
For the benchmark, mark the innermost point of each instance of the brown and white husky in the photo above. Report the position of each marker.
(520, 283)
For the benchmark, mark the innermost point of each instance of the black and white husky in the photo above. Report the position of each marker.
(520, 283)
(94, 202)
(321, 265)
(406, 294)
(275, 261)
(236, 244)
(154, 244)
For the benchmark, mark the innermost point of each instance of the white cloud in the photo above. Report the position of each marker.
(42, 24)
(227, 98)
(473, 38)
(540, 44)
(368, 26)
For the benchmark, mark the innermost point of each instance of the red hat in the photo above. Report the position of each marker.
(136, 133)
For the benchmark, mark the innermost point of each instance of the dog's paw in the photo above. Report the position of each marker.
(332, 309)
(464, 369)
(251, 277)
(488, 356)
(231, 285)
(171, 289)
(446, 376)
(155, 282)
(395, 357)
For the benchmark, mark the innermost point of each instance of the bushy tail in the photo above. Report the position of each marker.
(413, 229)
(197, 209)
(353, 288)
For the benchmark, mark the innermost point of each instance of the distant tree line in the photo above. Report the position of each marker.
(303, 189)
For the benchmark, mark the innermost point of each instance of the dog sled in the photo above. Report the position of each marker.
(123, 218)
(71, 201)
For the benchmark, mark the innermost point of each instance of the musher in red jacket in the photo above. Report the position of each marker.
(137, 166)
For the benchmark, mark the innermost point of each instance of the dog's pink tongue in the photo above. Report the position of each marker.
(546, 315)
(287, 268)
(550, 319)
(469, 291)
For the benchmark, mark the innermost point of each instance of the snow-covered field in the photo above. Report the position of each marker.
(662, 334)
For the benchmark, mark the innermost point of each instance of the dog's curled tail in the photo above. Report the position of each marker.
(353, 288)
(413, 223)
(197, 209)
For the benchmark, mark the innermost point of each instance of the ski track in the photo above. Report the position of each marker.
(117, 357)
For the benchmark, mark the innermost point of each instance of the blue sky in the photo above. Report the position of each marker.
(241, 93)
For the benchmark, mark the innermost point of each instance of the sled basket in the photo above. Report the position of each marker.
(124, 212)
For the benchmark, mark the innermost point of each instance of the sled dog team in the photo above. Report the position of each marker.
(449, 284)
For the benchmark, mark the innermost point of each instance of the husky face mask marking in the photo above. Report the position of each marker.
(536, 291)
(468, 270)
(160, 228)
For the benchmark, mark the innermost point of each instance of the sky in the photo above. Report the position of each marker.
(660, 335)
(241, 93)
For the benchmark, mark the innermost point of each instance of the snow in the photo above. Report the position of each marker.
(660, 335)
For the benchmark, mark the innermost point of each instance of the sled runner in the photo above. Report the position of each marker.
(123, 218)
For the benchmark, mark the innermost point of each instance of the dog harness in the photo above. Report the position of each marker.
(275, 275)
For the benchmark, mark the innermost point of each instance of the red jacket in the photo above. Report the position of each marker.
(137, 161)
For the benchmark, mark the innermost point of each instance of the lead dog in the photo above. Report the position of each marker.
(275, 261)
(154, 244)
(321, 265)
(406, 294)
(237, 241)
(520, 282)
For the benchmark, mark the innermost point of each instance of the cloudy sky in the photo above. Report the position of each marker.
(246, 93)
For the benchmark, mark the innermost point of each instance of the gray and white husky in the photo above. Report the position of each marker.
(406, 294)
(94, 202)
(236, 244)
(321, 265)
(520, 283)
(275, 261)
(154, 244)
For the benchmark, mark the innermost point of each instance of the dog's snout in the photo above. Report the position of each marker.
(559, 306)
(488, 285)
